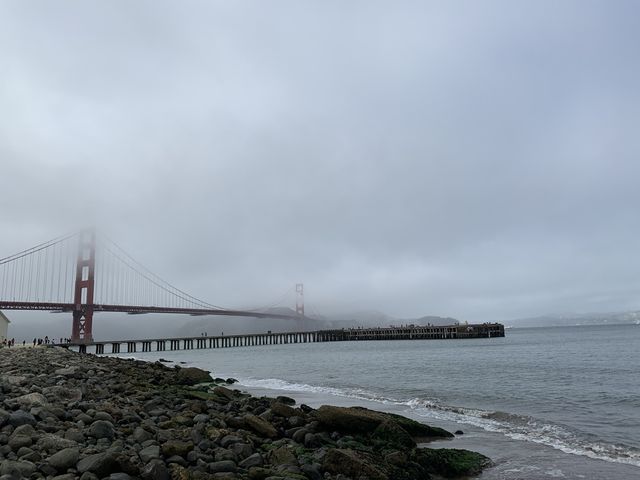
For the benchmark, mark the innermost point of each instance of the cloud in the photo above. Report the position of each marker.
(459, 159)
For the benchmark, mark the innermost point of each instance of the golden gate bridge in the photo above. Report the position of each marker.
(83, 273)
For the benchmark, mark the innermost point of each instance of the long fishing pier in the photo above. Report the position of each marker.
(410, 332)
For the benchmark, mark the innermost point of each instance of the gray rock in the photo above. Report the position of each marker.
(140, 435)
(22, 451)
(299, 435)
(229, 440)
(222, 466)
(66, 476)
(297, 421)
(242, 450)
(101, 429)
(18, 441)
(74, 435)
(64, 459)
(204, 445)
(260, 426)
(34, 457)
(4, 417)
(235, 422)
(155, 470)
(312, 472)
(254, 460)
(66, 371)
(27, 430)
(283, 455)
(149, 453)
(57, 412)
(312, 440)
(84, 418)
(19, 468)
(224, 392)
(282, 410)
(201, 418)
(119, 476)
(104, 416)
(176, 447)
(52, 443)
(14, 379)
(20, 417)
(89, 476)
(192, 376)
(31, 399)
(192, 456)
(177, 459)
(47, 469)
(100, 464)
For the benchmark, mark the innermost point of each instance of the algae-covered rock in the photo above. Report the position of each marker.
(417, 429)
(176, 447)
(391, 433)
(450, 462)
(363, 420)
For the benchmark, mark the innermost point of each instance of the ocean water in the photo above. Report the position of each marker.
(542, 403)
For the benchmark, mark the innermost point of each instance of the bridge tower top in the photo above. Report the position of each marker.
(300, 299)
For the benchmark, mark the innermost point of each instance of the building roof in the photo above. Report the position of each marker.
(4, 317)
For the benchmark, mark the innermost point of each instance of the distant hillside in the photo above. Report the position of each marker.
(576, 319)
(213, 325)
(217, 325)
(379, 319)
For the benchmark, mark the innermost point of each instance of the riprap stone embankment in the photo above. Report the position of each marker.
(65, 416)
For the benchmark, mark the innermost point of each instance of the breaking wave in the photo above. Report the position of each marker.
(517, 427)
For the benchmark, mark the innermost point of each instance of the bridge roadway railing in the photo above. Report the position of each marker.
(430, 332)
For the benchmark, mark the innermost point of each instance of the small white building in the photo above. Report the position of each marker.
(4, 326)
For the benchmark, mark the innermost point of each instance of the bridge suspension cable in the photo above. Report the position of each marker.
(122, 280)
(43, 273)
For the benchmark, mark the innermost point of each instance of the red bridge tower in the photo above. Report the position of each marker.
(84, 287)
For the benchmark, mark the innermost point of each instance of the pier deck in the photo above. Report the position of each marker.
(411, 332)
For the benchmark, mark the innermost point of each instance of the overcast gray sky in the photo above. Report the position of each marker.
(460, 158)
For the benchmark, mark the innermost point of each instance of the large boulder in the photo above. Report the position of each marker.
(192, 376)
(64, 459)
(100, 464)
(363, 420)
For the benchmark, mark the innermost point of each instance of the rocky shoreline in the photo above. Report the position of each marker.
(65, 416)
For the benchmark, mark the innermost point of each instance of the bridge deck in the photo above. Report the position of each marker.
(485, 330)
